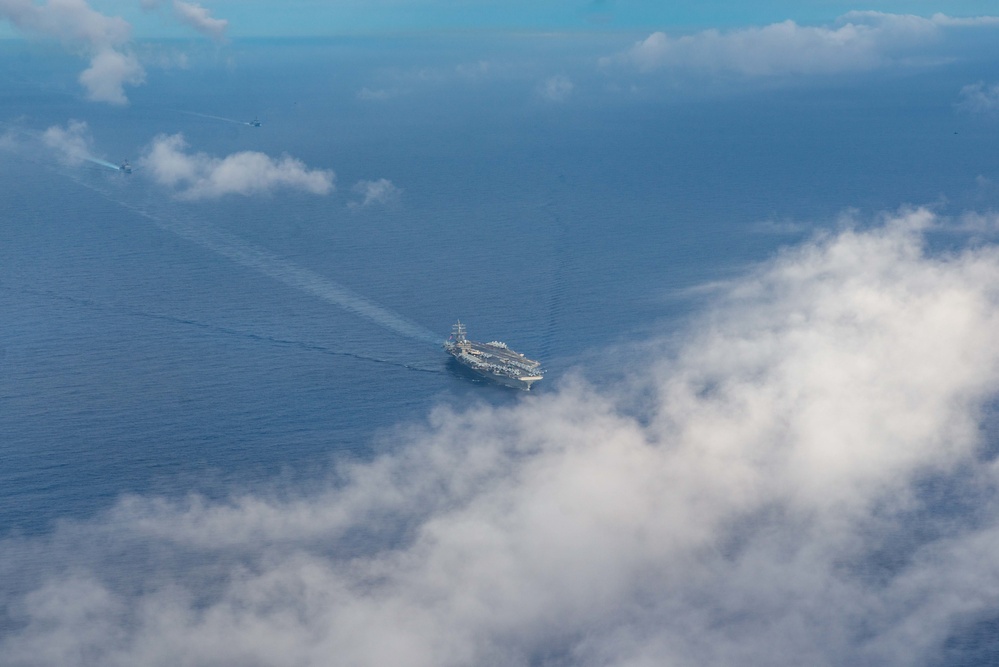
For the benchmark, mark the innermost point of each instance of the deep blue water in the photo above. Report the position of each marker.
(136, 360)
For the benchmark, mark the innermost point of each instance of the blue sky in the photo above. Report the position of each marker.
(327, 17)
(752, 39)
(298, 16)
(266, 18)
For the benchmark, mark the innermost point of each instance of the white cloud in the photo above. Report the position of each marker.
(107, 75)
(201, 176)
(556, 89)
(382, 191)
(857, 41)
(69, 20)
(980, 98)
(72, 143)
(200, 19)
(763, 493)
(195, 16)
(105, 39)
(77, 24)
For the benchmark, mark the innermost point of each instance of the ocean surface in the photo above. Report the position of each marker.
(161, 347)
(137, 358)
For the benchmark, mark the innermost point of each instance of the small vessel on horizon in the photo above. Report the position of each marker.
(493, 360)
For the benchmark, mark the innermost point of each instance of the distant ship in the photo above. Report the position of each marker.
(493, 360)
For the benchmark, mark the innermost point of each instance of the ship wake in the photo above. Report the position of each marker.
(278, 268)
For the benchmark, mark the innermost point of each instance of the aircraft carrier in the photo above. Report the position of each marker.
(493, 360)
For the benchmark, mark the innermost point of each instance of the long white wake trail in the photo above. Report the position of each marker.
(285, 272)
(103, 163)
(206, 115)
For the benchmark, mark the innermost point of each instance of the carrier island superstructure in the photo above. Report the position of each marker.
(493, 360)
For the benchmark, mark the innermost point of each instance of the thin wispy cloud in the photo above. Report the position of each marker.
(380, 192)
(200, 19)
(556, 89)
(857, 41)
(398, 82)
(202, 176)
(379, 94)
(980, 98)
(72, 143)
(195, 16)
(758, 493)
(976, 222)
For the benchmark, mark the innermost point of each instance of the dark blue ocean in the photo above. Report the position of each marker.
(136, 358)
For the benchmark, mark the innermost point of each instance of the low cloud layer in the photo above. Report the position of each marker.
(76, 24)
(106, 40)
(201, 176)
(807, 479)
(857, 41)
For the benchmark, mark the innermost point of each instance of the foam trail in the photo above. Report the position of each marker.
(103, 163)
(205, 115)
(290, 274)
(214, 328)
(286, 272)
(279, 269)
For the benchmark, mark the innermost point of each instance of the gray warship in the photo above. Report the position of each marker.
(493, 360)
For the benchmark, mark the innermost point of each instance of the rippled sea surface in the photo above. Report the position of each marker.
(158, 346)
